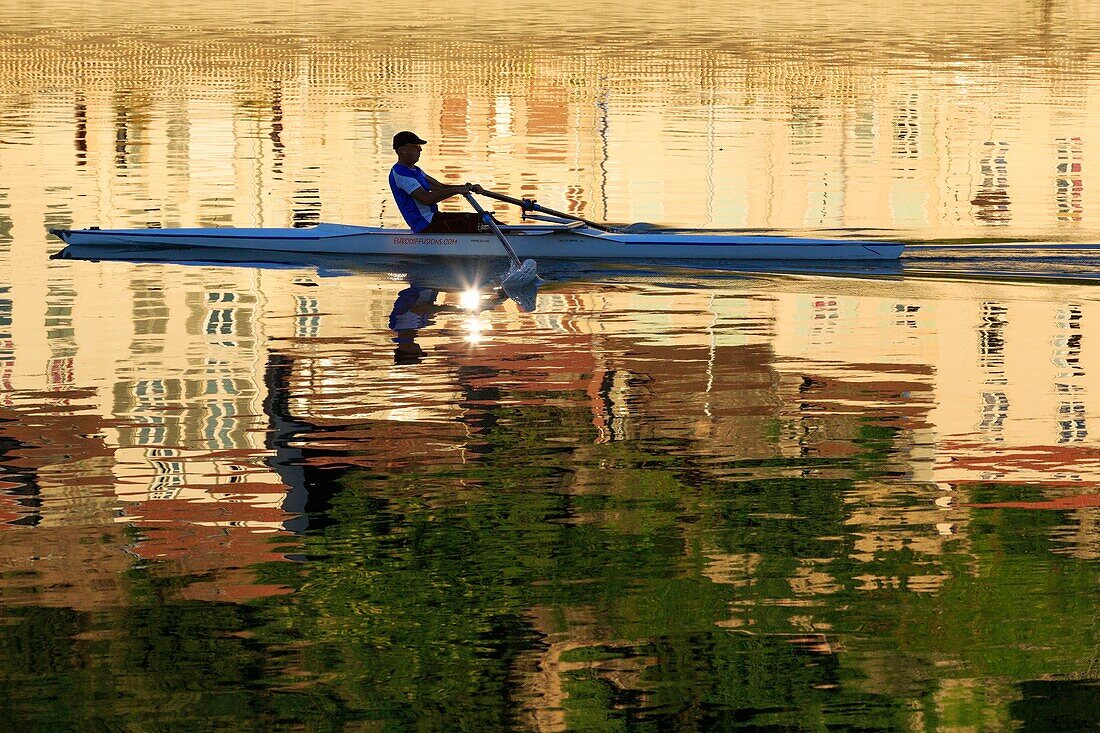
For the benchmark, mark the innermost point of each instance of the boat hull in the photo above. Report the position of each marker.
(563, 242)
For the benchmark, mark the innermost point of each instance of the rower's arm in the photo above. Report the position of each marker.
(461, 188)
(438, 193)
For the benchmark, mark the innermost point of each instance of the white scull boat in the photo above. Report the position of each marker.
(548, 239)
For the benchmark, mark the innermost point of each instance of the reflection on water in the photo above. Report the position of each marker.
(415, 308)
(774, 495)
(957, 122)
(412, 310)
(352, 495)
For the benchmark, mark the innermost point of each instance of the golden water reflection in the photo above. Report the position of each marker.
(178, 440)
(179, 420)
(927, 126)
(172, 422)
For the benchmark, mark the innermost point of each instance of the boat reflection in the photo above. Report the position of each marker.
(442, 274)
(474, 281)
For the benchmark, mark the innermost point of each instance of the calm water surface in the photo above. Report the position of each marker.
(347, 495)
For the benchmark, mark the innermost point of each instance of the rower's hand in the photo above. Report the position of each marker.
(475, 187)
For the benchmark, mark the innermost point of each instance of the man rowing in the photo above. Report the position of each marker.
(417, 193)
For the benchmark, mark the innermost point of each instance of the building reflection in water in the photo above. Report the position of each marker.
(1067, 356)
(1069, 185)
(197, 433)
(266, 134)
(647, 360)
(992, 203)
(186, 420)
(177, 412)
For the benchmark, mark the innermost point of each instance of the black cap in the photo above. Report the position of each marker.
(405, 137)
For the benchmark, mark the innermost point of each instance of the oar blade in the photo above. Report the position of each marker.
(525, 296)
(517, 277)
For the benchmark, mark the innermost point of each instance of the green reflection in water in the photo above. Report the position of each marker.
(649, 596)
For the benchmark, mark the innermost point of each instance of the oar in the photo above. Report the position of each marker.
(520, 273)
(532, 205)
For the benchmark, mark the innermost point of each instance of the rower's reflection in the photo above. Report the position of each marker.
(413, 310)
(416, 307)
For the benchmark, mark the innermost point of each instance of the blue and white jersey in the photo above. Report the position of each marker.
(403, 181)
(404, 316)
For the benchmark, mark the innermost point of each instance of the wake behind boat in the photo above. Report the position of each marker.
(573, 240)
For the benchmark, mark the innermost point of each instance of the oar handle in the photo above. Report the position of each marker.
(493, 225)
(532, 205)
(522, 203)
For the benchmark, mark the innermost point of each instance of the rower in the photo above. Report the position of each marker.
(417, 193)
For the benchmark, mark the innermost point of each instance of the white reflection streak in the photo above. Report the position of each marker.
(710, 354)
(502, 112)
(475, 328)
(469, 300)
